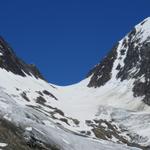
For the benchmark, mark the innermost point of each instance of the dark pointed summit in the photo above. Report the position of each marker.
(128, 60)
(10, 62)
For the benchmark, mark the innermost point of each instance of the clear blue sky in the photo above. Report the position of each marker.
(67, 38)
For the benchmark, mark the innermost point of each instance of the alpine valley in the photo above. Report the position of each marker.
(108, 110)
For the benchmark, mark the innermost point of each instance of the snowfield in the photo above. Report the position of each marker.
(14, 108)
(76, 101)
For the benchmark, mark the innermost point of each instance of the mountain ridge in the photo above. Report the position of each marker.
(10, 62)
(109, 109)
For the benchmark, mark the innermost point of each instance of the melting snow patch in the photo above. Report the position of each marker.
(3, 144)
(66, 141)
(104, 125)
(29, 128)
(7, 117)
(48, 123)
(114, 139)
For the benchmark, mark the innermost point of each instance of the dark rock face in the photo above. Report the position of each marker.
(40, 100)
(102, 72)
(49, 94)
(14, 138)
(134, 52)
(138, 59)
(110, 130)
(10, 62)
(24, 95)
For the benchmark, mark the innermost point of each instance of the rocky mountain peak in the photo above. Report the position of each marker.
(10, 62)
(128, 60)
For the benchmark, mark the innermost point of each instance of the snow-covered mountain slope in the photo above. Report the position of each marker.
(129, 60)
(108, 110)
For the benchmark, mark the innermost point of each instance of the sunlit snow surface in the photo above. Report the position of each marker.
(76, 101)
